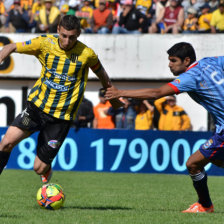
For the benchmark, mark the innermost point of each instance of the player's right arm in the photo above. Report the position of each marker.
(6, 51)
(147, 93)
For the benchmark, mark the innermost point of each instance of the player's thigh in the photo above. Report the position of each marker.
(12, 137)
(50, 140)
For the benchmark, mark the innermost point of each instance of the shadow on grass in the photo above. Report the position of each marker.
(97, 208)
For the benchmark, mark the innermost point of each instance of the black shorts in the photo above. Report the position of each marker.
(52, 130)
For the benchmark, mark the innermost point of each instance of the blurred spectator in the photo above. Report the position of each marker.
(160, 6)
(217, 21)
(85, 15)
(114, 7)
(204, 19)
(190, 23)
(48, 18)
(37, 5)
(26, 4)
(64, 9)
(144, 117)
(171, 21)
(101, 118)
(196, 4)
(146, 8)
(213, 4)
(124, 117)
(131, 20)
(172, 116)
(102, 19)
(73, 7)
(2, 13)
(17, 16)
(84, 117)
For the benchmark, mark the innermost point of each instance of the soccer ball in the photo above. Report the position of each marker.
(50, 196)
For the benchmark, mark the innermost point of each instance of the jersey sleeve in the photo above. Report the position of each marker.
(94, 62)
(186, 82)
(221, 61)
(31, 47)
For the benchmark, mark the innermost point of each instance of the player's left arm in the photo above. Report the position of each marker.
(6, 51)
(106, 82)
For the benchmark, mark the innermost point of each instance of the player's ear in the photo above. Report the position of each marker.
(58, 29)
(187, 61)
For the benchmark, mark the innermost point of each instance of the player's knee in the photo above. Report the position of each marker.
(191, 167)
(6, 145)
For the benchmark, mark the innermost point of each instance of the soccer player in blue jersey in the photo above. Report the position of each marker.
(203, 80)
(54, 100)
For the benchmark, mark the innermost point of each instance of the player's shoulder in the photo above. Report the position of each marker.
(84, 48)
(49, 38)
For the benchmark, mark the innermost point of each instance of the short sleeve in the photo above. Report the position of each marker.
(31, 47)
(186, 82)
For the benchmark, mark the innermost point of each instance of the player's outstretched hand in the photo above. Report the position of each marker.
(111, 93)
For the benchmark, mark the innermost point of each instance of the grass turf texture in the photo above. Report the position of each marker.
(107, 198)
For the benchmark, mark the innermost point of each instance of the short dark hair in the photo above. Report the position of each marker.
(182, 50)
(70, 22)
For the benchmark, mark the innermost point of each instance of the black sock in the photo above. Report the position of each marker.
(201, 187)
(4, 157)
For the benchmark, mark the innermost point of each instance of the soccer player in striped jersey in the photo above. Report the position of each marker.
(55, 97)
(203, 80)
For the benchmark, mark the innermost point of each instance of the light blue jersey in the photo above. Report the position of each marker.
(204, 82)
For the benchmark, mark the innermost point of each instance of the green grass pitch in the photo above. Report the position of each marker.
(107, 198)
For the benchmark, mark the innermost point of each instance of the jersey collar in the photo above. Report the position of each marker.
(192, 65)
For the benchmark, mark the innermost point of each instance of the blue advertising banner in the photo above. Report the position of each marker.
(118, 151)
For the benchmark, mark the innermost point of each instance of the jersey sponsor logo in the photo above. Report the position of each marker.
(207, 144)
(51, 41)
(56, 86)
(74, 57)
(28, 42)
(177, 81)
(54, 144)
(60, 76)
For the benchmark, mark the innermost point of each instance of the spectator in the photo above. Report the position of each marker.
(102, 19)
(171, 21)
(48, 18)
(196, 4)
(190, 23)
(37, 5)
(114, 7)
(172, 116)
(85, 15)
(101, 118)
(2, 13)
(131, 20)
(64, 9)
(147, 8)
(84, 117)
(213, 4)
(26, 4)
(144, 117)
(217, 21)
(204, 19)
(73, 7)
(124, 117)
(17, 17)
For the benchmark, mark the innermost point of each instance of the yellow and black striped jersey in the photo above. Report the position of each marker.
(60, 88)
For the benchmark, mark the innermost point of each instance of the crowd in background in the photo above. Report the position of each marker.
(114, 16)
(162, 114)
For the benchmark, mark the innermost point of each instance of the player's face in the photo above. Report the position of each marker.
(177, 66)
(67, 38)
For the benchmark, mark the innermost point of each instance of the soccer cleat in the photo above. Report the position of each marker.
(45, 178)
(198, 208)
